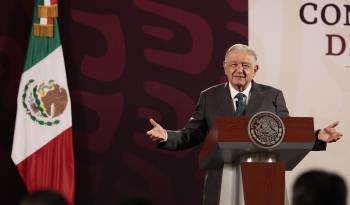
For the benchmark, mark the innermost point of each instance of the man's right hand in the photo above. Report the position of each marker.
(157, 133)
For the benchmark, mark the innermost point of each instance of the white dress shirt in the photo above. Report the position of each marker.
(234, 92)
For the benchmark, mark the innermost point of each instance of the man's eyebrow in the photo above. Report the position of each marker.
(238, 62)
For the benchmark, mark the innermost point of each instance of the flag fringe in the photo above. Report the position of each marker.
(43, 30)
(48, 11)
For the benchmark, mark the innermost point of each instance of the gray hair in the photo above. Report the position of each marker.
(241, 47)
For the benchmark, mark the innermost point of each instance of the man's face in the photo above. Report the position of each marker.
(240, 69)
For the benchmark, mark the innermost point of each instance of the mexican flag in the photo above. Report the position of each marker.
(42, 145)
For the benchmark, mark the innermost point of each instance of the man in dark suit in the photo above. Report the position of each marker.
(240, 96)
(240, 66)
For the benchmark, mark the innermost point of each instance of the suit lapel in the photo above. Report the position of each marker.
(227, 104)
(255, 100)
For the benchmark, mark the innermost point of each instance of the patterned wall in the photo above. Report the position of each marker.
(126, 61)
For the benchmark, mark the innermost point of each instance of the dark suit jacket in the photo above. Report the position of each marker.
(216, 102)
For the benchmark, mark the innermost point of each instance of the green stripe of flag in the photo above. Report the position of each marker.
(40, 47)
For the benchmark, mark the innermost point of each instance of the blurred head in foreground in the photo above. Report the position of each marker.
(319, 187)
(44, 197)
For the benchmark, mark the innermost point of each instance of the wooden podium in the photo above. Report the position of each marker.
(253, 175)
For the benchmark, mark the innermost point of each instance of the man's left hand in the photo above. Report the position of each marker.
(330, 134)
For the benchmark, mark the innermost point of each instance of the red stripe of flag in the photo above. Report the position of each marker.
(38, 174)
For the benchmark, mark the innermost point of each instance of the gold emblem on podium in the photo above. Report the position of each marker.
(266, 130)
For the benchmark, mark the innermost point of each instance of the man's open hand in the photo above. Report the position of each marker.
(157, 133)
(330, 134)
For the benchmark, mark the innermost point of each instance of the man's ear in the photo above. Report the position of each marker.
(256, 68)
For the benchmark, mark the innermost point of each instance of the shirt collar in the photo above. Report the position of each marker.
(234, 92)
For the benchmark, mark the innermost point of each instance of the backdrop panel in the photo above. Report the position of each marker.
(126, 61)
(303, 49)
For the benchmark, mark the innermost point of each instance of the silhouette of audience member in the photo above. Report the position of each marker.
(319, 188)
(137, 201)
(44, 197)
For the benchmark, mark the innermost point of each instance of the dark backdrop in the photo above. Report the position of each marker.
(126, 61)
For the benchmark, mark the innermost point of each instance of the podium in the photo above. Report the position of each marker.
(252, 175)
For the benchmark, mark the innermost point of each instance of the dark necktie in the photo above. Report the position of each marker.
(240, 104)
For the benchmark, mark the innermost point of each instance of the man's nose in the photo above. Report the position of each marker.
(239, 68)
